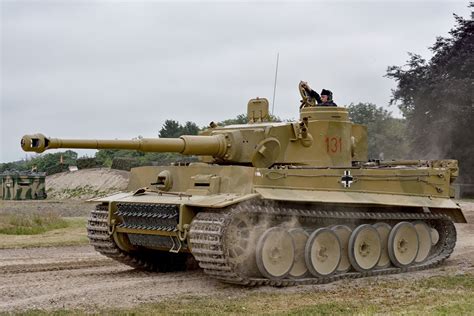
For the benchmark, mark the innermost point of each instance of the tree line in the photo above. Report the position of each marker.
(436, 97)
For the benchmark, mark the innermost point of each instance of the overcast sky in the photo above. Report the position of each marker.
(109, 69)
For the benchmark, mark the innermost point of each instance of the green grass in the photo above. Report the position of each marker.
(74, 234)
(461, 282)
(30, 224)
(463, 308)
(76, 222)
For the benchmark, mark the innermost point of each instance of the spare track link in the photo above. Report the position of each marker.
(208, 232)
(104, 243)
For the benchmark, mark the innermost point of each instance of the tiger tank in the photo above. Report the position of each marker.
(275, 203)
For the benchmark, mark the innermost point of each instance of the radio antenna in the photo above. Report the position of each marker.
(275, 84)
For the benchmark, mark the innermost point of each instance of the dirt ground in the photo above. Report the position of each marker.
(79, 278)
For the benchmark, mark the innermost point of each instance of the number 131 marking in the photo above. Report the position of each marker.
(333, 144)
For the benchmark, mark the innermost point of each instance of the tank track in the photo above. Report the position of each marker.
(208, 242)
(143, 259)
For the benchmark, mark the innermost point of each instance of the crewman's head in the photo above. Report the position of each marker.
(326, 95)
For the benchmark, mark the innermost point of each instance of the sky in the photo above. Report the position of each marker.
(119, 69)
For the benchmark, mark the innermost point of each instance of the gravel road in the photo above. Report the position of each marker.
(78, 277)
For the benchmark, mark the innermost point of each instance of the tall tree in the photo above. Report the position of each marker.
(386, 134)
(190, 128)
(170, 129)
(437, 98)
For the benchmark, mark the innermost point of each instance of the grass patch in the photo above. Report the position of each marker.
(74, 234)
(30, 224)
(460, 282)
(458, 308)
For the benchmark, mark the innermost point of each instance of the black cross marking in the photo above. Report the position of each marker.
(347, 179)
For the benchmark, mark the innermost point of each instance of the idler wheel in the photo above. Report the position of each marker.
(403, 244)
(343, 233)
(424, 240)
(384, 230)
(300, 237)
(322, 252)
(365, 248)
(275, 253)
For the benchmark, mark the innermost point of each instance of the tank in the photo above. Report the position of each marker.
(275, 203)
(22, 185)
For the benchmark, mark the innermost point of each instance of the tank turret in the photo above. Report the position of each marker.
(323, 137)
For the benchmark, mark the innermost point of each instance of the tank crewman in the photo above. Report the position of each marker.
(324, 100)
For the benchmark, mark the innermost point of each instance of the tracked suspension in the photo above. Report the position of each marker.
(215, 255)
(143, 259)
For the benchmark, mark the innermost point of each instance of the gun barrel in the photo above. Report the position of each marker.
(187, 144)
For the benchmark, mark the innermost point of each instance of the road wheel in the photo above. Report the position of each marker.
(384, 230)
(424, 240)
(365, 248)
(275, 253)
(323, 252)
(300, 237)
(343, 233)
(403, 244)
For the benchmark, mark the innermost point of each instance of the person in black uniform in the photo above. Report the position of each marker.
(324, 100)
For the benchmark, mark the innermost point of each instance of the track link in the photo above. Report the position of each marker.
(143, 259)
(208, 241)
